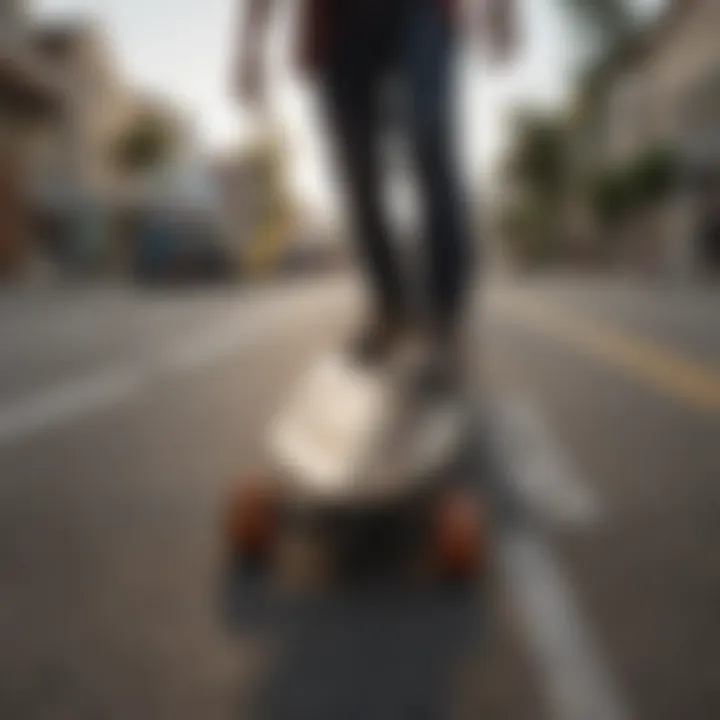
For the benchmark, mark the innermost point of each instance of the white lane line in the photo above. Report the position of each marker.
(240, 332)
(67, 401)
(55, 328)
(199, 349)
(74, 398)
(544, 479)
(208, 346)
(575, 681)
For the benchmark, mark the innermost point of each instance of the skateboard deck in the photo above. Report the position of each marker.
(375, 473)
(350, 435)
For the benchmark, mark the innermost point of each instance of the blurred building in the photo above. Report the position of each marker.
(71, 161)
(156, 168)
(664, 96)
(256, 207)
(29, 100)
(86, 191)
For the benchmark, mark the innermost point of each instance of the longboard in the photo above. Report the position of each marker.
(351, 435)
(348, 445)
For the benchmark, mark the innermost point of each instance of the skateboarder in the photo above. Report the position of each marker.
(352, 47)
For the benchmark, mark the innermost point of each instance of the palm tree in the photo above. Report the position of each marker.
(605, 23)
(535, 172)
(537, 162)
(611, 28)
(146, 142)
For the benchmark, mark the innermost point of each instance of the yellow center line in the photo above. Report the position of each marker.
(690, 381)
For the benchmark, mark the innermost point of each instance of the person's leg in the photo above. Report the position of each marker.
(350, 84)
(427, 57)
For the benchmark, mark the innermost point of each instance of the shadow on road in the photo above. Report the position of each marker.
(376, 649)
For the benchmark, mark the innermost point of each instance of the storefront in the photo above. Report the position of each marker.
(25, 101)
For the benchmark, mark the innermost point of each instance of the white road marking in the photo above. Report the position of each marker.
(576, 682)
(53, 331)
(200, 348)
(79, 396)
(574, 679)
(67, 401)
(544, 478)
(208, 346)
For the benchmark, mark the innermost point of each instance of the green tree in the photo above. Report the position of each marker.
(609, 30)
(148, 141)
(605, 23)
(611, 197)
(536, 165)
(655, 173)
(644, 181)
(535, 173)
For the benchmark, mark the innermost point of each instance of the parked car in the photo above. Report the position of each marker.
(177, 251)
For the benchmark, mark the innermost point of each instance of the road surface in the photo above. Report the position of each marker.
(125, 418)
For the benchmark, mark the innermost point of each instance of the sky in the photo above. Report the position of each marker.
(184, 50)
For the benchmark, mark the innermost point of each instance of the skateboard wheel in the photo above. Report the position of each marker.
(251, 522)
(460, 537)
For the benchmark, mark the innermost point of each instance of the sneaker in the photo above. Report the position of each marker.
(376, 342)
(440, 372)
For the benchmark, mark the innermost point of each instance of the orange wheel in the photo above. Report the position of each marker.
(251, 525)
(460, 537)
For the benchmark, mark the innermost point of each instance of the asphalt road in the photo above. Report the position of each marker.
(126, 417)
